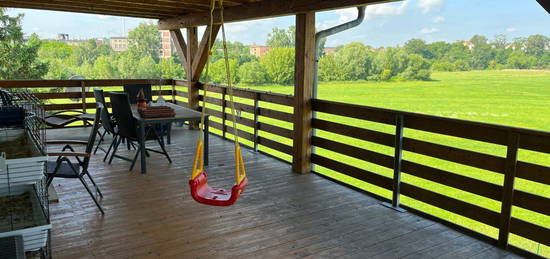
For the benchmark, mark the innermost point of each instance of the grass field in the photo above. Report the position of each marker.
(513, 98)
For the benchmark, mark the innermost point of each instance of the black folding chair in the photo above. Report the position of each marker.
(128, 129)
(107, 123)
(64, 167)
(133, 89)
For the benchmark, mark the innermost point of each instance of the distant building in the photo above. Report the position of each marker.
(165, 44)
(469, 44)
(64, 37)
(329, 51)
(119, 44)
(259, 51)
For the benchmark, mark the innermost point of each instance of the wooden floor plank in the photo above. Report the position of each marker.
(280, 214)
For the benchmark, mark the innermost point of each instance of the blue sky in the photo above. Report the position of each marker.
(387, 24)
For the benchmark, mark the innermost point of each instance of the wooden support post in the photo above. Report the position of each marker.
(303, 91)
(193, 90)
(508, 189)
(224, 116)
(256, 119)
(397, 160)
(174, 91)
(181, 46)
(83, 97)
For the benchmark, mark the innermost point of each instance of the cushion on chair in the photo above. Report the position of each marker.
(64, 171)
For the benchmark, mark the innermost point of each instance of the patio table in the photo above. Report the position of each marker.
(182, 115)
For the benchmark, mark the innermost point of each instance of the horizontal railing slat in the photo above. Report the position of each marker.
(78, 83)
(283, 116)
(229, 129)
(457, 181)
(275, 145)
(354, 111)
(533, 172)
(275, 130)
(352, 171)
(461, 156)
(352, 151)
(530, 231)
(532, 202)
(354, 132)
(456, 206)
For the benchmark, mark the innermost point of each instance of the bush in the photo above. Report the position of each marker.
(519, 60)
(444, 66)
(386, 75)
(252, 73)
(218, 74)
(279, 65)
(462, 65)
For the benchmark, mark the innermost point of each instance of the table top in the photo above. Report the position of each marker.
(182, 113)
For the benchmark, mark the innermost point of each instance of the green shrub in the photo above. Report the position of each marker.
(252, 73)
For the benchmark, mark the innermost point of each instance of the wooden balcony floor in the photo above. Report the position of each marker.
(281, 214)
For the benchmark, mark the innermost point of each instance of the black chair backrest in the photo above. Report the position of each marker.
(100, 96)
(105, 119)
(133, 89)
(122, 112)
(93, 134)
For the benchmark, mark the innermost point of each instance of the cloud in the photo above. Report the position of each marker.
(438, 19)
(430, 5)
(373, 11)
(102, 17)
(511, 29)
(429, 30)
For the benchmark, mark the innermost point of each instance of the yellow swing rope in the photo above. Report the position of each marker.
(240, 174)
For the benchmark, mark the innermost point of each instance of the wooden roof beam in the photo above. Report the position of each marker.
(262, 9)
(545, 4)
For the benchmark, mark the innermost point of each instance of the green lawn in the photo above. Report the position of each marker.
(514, 98)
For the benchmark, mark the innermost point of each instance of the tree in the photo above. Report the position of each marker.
(170, 69)
(417, 46)
(501, 41)
(127, 65)
(252, 73)
(281, 38)
(482, 52)
(147, 68)
(144, 40)
(105, 68)
(536, 45)
(519, 60)
(330, 69)
(18, 57)
(279, 64)
(218, 72)
(356, 61)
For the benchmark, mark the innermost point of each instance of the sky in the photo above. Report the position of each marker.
(388, 24)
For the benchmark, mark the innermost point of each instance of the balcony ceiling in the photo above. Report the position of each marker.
(182, 9)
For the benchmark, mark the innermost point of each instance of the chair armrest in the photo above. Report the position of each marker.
(64, 111)
(69, 154)
(61, 142)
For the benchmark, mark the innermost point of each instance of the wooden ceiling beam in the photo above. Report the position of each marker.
(545, 4)
(199, 61)
(262, 9)
(181, 46)
(14, 4)
(104, 5)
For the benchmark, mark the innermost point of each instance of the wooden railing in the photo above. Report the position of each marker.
(61, 100)
(390, 154)
(254, 116)
(513, 139)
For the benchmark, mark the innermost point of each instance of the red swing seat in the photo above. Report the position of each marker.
(203, 193)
